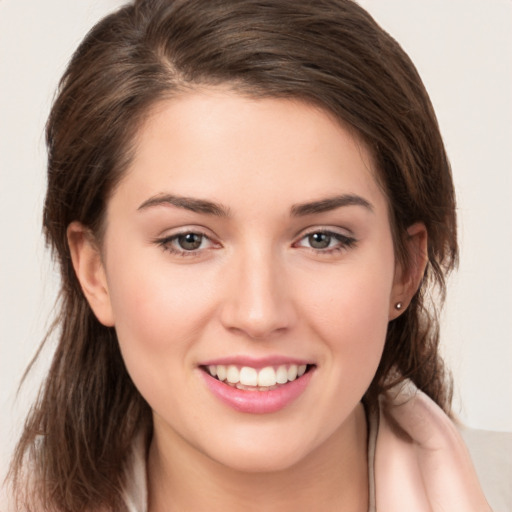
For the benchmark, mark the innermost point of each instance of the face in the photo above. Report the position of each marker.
(248, 242)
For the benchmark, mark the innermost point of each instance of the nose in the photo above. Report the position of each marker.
(257, 302)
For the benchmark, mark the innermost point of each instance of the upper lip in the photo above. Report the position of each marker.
(255, 362)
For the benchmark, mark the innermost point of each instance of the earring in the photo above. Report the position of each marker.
(398, 306)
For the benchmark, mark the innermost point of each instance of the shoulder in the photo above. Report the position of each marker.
(491, 453)
(421, 458)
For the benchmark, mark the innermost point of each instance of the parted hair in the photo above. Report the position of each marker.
(72, 454)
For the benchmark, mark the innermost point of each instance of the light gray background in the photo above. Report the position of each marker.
(463, 50)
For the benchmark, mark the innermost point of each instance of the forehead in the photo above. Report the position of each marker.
(222, 145)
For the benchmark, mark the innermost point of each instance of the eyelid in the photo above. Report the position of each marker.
(333, 230)
(345, 240)
(165, 241)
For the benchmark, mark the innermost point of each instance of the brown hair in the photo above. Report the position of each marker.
(328, 52)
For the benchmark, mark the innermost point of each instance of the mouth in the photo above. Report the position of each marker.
(257, 386)
(248, 378)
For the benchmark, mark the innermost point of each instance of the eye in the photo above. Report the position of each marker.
(325, 241)
(320, 240)
(189, 243)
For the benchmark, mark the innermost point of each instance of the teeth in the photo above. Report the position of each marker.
(282, 375)
(233, 374)
(221, 372)
(247, 377)
(267, 377)
(251, 388)
(292, 372)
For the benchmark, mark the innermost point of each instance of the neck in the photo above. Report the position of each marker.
(332, 478)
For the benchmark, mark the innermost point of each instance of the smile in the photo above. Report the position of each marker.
(258, 389)
(264, 379)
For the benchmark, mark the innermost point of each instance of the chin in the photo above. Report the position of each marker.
(261, 461)
(257, 451)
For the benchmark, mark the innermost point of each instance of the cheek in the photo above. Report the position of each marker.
(355, 333)
(349, 312)
(159, 316)
(159, 312)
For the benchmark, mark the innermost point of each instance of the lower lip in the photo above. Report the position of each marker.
(258, 402)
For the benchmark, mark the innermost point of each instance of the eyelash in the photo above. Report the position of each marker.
(166, 244)
(344, 242)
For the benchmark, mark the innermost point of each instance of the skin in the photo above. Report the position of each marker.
(254, 287)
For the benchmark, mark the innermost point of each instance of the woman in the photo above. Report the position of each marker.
(249, 202)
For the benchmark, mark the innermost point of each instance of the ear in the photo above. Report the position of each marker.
(89, 269)
(407, 280)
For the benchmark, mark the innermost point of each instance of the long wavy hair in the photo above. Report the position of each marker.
(73, 451)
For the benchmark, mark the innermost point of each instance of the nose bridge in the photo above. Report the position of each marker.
(258, 301)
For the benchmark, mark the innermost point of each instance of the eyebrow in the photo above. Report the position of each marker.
(188, 203)
(330, 203)
(218, 210)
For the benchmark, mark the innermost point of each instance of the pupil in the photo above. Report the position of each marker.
(319, 240)
(190, 241)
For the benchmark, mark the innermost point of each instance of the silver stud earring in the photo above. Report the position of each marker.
(398, 306)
